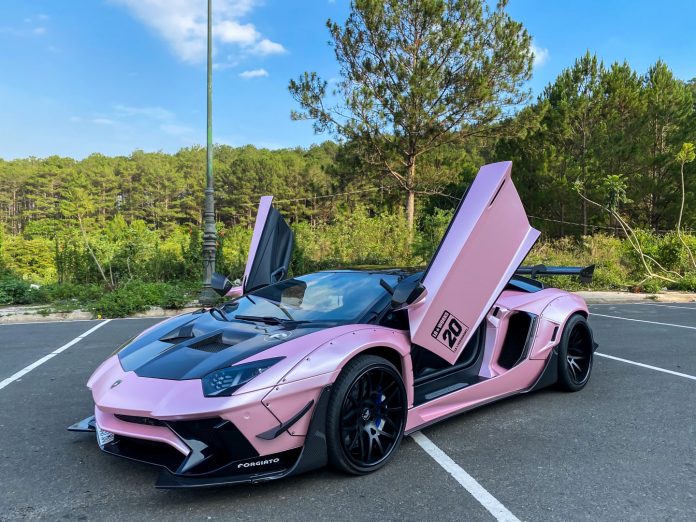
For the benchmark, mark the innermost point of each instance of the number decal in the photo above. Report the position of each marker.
(449, 331)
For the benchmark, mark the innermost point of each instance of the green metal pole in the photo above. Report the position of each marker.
(208, 296)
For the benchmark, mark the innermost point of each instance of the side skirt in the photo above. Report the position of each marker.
(548, 377)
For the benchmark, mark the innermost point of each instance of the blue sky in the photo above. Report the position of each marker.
(110, 76)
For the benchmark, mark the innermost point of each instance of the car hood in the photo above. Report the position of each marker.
(191, 346)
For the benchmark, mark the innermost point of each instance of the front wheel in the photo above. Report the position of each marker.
(575, 355)
(366, 415)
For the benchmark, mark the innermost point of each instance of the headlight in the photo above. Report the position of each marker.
(222, 383)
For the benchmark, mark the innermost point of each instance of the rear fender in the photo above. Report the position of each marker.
(553, 320)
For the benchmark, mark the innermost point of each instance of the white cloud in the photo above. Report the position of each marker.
(265, 47)
(129, 120)
(183, 25)
(541, 55)
(254, 73)
(33, 27)
(231, 31)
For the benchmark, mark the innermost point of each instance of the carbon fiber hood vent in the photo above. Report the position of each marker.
(193, 345)
(213, 344)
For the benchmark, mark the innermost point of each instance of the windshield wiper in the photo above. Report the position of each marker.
(268, 319)
(219, 311)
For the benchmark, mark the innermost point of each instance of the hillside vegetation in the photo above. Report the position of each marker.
(602, 159)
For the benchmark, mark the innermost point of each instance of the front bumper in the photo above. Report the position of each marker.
(212, 452)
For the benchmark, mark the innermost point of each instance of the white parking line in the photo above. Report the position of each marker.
(657, 369)
(21, 373)
(476, 490)
(643, 321)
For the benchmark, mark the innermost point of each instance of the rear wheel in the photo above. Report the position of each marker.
(366, 415)
(575, 355)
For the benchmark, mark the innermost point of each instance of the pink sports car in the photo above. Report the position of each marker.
(337, 366)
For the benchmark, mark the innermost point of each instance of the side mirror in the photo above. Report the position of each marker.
(235, 291)
(408, 293)
(220, 284)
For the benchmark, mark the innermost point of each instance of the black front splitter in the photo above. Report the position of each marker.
(168, 480)
(87, 425)
(313, 455)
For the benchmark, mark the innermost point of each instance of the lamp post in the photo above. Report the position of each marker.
(208, 295)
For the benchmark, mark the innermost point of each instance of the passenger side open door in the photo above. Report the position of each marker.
(271, 248)
(487, 239)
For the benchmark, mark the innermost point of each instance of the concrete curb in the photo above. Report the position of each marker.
(629, 297)
(29, 315)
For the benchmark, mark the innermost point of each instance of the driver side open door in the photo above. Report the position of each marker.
(271, 248)
(487, 239)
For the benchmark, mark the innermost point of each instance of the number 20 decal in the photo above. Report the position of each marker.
(449, 331)
(452, 333)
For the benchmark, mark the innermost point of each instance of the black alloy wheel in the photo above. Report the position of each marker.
(366, 416)
(575, 354)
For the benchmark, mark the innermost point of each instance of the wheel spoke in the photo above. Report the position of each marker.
(383, 433)
(372, 417)
(579, 354)
(379, 445)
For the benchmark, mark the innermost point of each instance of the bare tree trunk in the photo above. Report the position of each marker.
(584, 218)
(681, 212)
(584, 181)
(411, 197)
(410, 211)
(92, 254)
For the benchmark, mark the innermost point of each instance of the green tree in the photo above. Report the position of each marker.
(573, 119)
(78, 203)
(416, 75)
(669, 111)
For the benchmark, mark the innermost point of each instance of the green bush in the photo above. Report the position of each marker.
(72, 292)
(161, 267)
(14, 291)
(137, 296)
(688, 284)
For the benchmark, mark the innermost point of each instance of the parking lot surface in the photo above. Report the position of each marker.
(624, 448)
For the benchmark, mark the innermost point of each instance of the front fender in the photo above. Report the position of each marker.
(332, 356)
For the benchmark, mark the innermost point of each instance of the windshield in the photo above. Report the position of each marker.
(325, 296)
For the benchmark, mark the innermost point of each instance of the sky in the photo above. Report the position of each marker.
(111, 76)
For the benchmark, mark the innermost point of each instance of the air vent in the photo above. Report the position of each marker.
(148, 421)
(210, 343)
(179, 335)
(210, 347)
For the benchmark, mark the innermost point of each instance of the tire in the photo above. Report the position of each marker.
(575, 355)
(366, 415)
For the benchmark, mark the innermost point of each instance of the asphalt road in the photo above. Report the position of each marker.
(622, 449)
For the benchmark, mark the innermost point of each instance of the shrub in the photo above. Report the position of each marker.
(137, 296)
(14, 291)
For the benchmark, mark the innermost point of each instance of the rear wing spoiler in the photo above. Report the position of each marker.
(585, 273)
